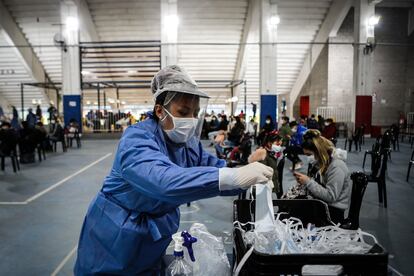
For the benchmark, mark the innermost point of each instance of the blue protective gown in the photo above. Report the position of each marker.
(130, 222)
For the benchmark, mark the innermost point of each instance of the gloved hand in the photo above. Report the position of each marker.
(244, 177)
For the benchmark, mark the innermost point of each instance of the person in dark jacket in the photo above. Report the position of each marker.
(268, 127)
(269, 154)
(8, 139)
(329, 132)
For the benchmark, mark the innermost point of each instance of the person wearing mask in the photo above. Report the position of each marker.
(159, 165)
(297, 133)
(331, 183)
(294, 149)
(268, 127)
(236, 133)
(213, 128)
(329, 131)
(285, 131)
(31, 118)
(312, 123)
(269, 154)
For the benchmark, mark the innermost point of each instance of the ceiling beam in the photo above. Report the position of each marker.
(333, 19)
(14, 36)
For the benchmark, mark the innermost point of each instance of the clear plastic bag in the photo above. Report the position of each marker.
(209, 252)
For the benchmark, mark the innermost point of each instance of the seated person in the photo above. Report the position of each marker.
(236, 133)
(292, 152)
(269, 154)
(8, 139)
(334, 183)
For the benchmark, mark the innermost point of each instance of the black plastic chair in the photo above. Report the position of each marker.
(14, 160)
(378, 175)
(410, 164)
(75, 137)
(64, 148)
(41, 151)
(359, 185)
(376, 147)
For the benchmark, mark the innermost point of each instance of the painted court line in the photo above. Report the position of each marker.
(64, 261)
(36, 196)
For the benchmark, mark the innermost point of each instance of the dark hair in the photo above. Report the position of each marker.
(293, 123)
(159, 100)
(285, 118)
(271, 137)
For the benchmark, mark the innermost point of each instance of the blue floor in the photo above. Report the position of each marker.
(42, 208)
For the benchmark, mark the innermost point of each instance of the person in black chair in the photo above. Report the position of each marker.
(42, 140)
(333, 175)
(377, 175)
(8, 143)
(58, 135)
(395, 134)
(27, 143)
(73, 133)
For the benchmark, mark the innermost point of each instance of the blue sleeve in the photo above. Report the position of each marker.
(147, 169)
(210, 160)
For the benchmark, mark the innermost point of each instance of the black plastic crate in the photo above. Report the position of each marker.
(309, 211)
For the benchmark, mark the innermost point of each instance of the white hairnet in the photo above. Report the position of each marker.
(174, 79)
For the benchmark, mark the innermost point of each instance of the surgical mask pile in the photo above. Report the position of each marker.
(289, 236)
(184, 128)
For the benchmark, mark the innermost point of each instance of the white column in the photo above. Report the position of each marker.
(268, 60)
(268, 52)
(71, 86)
(169, 32)
(363, 56)
(70, 55)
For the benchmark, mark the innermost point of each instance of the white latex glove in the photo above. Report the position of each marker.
(244, 177)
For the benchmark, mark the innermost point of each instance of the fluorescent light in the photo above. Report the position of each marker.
(123, 102)
(172, 21)
(72, 23)
(84, 72)
(34, 101)
(274, 21)
(130, 72)
(88, 102)
(95, 103)
(373, 20)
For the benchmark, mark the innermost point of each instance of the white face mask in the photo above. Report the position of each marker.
(311, 158)
(294, 130)
(183, 130)
(276, 148)
(267, 121)
(326, 124)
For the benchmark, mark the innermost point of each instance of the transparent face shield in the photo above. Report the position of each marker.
(188, 106)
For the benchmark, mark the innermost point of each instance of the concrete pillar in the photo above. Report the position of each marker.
(268, 60)
(71, 82)
(169, 32)
(363, 57)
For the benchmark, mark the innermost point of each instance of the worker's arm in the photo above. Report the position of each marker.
(209, 160)
(144, 166)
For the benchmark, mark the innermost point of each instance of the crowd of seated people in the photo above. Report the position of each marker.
(24, 138)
